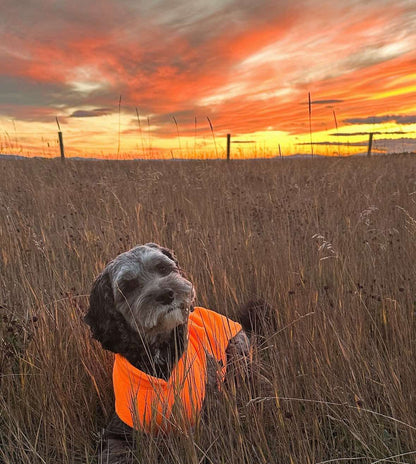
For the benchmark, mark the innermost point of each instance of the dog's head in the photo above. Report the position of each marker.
(142, 288)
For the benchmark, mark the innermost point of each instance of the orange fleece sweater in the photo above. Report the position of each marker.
(148, 403)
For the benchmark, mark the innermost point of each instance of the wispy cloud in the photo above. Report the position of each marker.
(325, 102)
(350, 144)
(357, 133)
(398, 119)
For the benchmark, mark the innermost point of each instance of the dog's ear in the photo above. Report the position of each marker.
(169, 254)
(102, 315)
(165, 251)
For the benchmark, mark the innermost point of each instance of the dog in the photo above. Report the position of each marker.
(168, 352)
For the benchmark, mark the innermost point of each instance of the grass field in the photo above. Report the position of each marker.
(329, 243)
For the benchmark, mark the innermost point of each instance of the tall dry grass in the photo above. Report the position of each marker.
(330, 244)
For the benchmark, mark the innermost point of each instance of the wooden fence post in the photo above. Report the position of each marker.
(228, 146)
(370, 144)
(61, 141)
(61, 146)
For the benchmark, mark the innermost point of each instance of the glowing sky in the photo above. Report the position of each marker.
(247, 65)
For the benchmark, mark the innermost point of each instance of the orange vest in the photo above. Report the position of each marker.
(149, 403)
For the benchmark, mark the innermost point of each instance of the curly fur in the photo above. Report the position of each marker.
(151, 350)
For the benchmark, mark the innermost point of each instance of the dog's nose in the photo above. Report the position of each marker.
(166, 297)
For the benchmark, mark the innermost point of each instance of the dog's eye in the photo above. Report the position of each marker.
(129, 285)
(164, 269)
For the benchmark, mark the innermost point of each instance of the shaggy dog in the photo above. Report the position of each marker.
(168, 352)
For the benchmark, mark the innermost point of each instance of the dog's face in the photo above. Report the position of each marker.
(147, 288)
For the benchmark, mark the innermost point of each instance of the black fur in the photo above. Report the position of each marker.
(257, 317)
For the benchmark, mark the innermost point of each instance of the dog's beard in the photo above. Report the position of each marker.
(175, 315)
(150, 319)
(150, 312)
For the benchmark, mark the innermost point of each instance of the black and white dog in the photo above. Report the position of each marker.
(141, 308)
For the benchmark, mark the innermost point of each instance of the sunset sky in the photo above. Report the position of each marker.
(246, 65)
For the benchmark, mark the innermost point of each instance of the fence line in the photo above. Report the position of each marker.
(235, 141)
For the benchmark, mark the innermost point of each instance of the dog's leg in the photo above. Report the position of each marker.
(116, 445)
(239, 346)
(238, 357)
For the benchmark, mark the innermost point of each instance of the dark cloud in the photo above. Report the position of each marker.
(352, 144)
(349, 134)
(22, 91)
(42, 20)
(28, 100)
(323, 102)
(91, 113)
(31, 100)
(398, 119)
